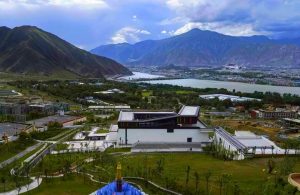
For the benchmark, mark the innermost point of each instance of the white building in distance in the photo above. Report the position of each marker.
(161, 131)
(223, 97)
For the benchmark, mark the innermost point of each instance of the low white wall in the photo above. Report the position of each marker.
(161, 135)
(168, 150)
(228, 146)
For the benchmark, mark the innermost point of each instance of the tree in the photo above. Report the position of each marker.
(236, 189)
(188, 168)
(226, 181)
(25, 138)
(160, 166)
(17, 182)
(3, 180)
(271, 165)
(83, 172)
(197, 179)
(220, 181)
(286, 166)
(46, 171)
(38, 179)
(207, 176)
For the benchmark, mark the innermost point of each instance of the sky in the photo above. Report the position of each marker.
(90, 23)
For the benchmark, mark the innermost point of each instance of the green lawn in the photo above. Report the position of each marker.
(102, 131)
(184, 92)
(146, 93)
(10, 181)
(176, 165)
(53, 134)
(61, 147)
(72, 185)
(112, 150)
(12, 148)
(248, 175)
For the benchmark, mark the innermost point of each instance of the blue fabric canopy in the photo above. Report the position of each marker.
(111, 189)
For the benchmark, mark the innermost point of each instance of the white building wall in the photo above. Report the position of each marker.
(228, 146)
(161, 135)
(167, 150)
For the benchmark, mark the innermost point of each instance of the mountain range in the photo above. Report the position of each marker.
(207, 48)
(30, 50)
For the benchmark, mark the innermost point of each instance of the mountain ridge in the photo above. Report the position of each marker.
(205, 48)
(31, 50)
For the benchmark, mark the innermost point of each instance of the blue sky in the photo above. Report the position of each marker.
(90, 23)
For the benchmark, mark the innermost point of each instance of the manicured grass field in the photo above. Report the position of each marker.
(112, 150)
(102, 131)
(61, 147)
(146, 93)
(10, 182)
(71, 185)
(250, 175)
(12, 148)
(184, 92)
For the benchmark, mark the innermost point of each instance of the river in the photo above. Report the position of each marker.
(238, 86)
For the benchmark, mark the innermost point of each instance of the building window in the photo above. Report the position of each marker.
(189, 139)
(170, 130)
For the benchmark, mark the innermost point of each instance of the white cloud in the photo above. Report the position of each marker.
(129, 35)
(210, 10)
(83, 3)
(228, 29)
(9, 5)
(134, 18)
(31, 4)
(163, 32)
(171, 21)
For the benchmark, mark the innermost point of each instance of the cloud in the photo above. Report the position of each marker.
(208, 10)
(31, 4)
(90, 4)
(271, 17)
(134, 18)
(171, 21)
(228, 29)
(95, 22)
(128, 35)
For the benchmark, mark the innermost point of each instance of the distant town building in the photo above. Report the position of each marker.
(47, 109)
(276, 114)
(292, 122)
(232, 67)
(16, 109)
(64, 120)
(10, 130)
(110, 91)
(109, 108)
(223, 97)
(9, 93)
(13, 109)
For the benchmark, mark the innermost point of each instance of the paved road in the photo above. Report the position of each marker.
(20, 155)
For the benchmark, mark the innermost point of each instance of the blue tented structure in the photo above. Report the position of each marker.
(112, 189)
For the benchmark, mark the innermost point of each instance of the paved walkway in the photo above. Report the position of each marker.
(20, 155)
(34, 184)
